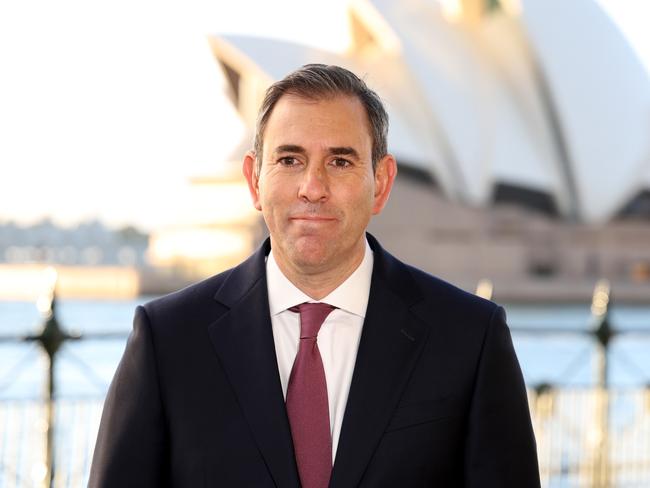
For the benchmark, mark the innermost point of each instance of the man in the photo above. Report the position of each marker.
(322, 360)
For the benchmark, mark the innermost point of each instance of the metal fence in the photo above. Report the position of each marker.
(579, 443)
(23, 452)
(596, 437)
(591, 437)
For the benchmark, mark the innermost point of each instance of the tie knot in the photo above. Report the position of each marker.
(312, 316)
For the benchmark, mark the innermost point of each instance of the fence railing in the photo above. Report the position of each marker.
(567, 426)
(596, 437)
(574, 447)
(23, 449)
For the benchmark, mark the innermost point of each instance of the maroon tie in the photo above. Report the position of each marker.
(307, 405)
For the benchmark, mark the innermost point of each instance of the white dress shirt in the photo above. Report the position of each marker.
(338, 338)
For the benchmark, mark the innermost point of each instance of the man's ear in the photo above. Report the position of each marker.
(252, 178)
(385, 174)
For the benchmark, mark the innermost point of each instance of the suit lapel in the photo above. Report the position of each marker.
(391, 341)
(243, 340)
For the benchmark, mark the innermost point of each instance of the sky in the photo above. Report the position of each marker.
(108, 108)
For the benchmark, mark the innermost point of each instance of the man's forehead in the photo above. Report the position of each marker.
(293, 112)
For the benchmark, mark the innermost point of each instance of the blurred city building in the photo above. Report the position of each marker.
(89, 243)
(92, 260)
(220, 229)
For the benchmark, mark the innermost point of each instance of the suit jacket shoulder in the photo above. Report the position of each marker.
(209, 298)
(431, 297)
(463, 397)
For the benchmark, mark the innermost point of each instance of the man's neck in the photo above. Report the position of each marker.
(319, 283)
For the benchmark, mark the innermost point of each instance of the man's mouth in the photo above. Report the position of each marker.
(313, 218)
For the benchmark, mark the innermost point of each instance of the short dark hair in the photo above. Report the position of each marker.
(316, 81)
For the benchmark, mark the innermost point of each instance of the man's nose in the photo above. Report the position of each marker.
(314, 186)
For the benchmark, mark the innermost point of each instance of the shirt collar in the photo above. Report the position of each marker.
(351, 295)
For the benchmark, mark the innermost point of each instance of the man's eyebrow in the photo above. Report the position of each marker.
(343, 151)
(289, 148)
(333, 151)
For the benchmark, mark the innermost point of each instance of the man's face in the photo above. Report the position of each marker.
(316, 187)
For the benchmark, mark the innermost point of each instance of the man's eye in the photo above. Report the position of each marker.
(341, 163)
(288, 161)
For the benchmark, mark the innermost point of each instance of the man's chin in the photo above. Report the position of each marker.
(310, 255)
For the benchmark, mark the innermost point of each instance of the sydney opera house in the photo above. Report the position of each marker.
(522, 130)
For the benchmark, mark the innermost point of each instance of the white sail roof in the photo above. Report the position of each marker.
(601, 94)
(472, 89)
(525, 151)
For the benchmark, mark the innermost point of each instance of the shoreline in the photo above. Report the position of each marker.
(28, 281)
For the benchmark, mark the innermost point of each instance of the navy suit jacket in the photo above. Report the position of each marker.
(437, 397)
